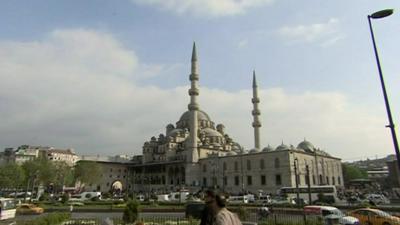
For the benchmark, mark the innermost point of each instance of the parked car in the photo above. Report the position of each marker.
(369, 216)
(29, 209)
(331, 212)
(377, 199)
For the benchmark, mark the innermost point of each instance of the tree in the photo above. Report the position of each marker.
(131, 212)
(11, 176)
(351, 172)
(63, 176)
(87, 172)
(40, 170)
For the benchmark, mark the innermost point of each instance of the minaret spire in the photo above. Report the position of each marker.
(193, 107)
(256, 113)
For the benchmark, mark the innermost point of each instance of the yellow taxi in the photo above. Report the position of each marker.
(369, 216)
(29, 209)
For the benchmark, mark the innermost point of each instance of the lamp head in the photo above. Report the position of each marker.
(381, 14)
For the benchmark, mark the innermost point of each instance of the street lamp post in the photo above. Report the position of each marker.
(379, 15)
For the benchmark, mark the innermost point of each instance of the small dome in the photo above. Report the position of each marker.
(306, 146)
(268, 149)
(254, 150)
(230, 153)
(282, 147)
(175, 132)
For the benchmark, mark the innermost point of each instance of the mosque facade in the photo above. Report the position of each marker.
(197, 153)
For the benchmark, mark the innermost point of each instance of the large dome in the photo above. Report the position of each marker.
(211, 132)
(201, 115)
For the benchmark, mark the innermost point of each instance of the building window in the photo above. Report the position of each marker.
(204, 168)
(111, 170)
(327, 180)
(277, 163)
(339, 180)
(225, 180)
(248, 165)
(306, 179)
(333, 181)
(278, 179)
(204, 181)
(236, 166)
(224, 166)
(313, 180)
(110, 176)
(108, 184)
(263, 180)
(249, 180)
(321, 180)
(237, 180)
(262, 165)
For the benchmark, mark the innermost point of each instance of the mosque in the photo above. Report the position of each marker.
(197, 153)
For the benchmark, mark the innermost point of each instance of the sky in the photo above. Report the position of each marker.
(102, 76)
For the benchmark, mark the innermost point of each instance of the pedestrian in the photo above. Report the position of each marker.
(217, 208)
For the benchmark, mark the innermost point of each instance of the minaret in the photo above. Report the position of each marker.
(256, 113)
(193, 108)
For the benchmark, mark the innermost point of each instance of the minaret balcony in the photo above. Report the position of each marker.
(256, 124)
(255, 100)
(193, 77)
(255, 112)
(193, 91)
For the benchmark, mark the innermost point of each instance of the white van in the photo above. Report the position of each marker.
(330, 212)
(238, 199)
(264, 199)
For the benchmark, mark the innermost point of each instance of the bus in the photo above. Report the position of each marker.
(7, 208)
(328, 191)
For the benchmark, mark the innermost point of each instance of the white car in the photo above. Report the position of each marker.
(331, 212)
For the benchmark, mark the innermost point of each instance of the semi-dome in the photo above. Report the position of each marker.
(175, 132)
(209, 132)
(230, 153)
(282, 147)
(306, 146)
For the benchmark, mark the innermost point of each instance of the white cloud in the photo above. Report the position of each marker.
(211, 8)
(78, 88)
(328, 32)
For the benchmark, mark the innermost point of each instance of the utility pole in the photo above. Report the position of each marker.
(308, 184)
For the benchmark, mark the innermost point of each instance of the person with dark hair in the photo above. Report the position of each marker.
(216, 203)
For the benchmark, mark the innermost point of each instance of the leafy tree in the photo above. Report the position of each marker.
(11, 176)
(131, 212)
(87, 172)
(351, 172)
(63, 176)
(41, 170)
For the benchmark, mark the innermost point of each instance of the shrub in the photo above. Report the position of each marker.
(44, 197)
(242, 213)
(50, 219)
(131, 212)
(64, 198)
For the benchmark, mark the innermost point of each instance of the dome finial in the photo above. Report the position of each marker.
(194, 53)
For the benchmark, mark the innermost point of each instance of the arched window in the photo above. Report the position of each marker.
(277, 163)
(333, 181)
(320, 180)
(204, 168)
(248, 165)
(224, 166)
(236, 166)
(262, 165)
